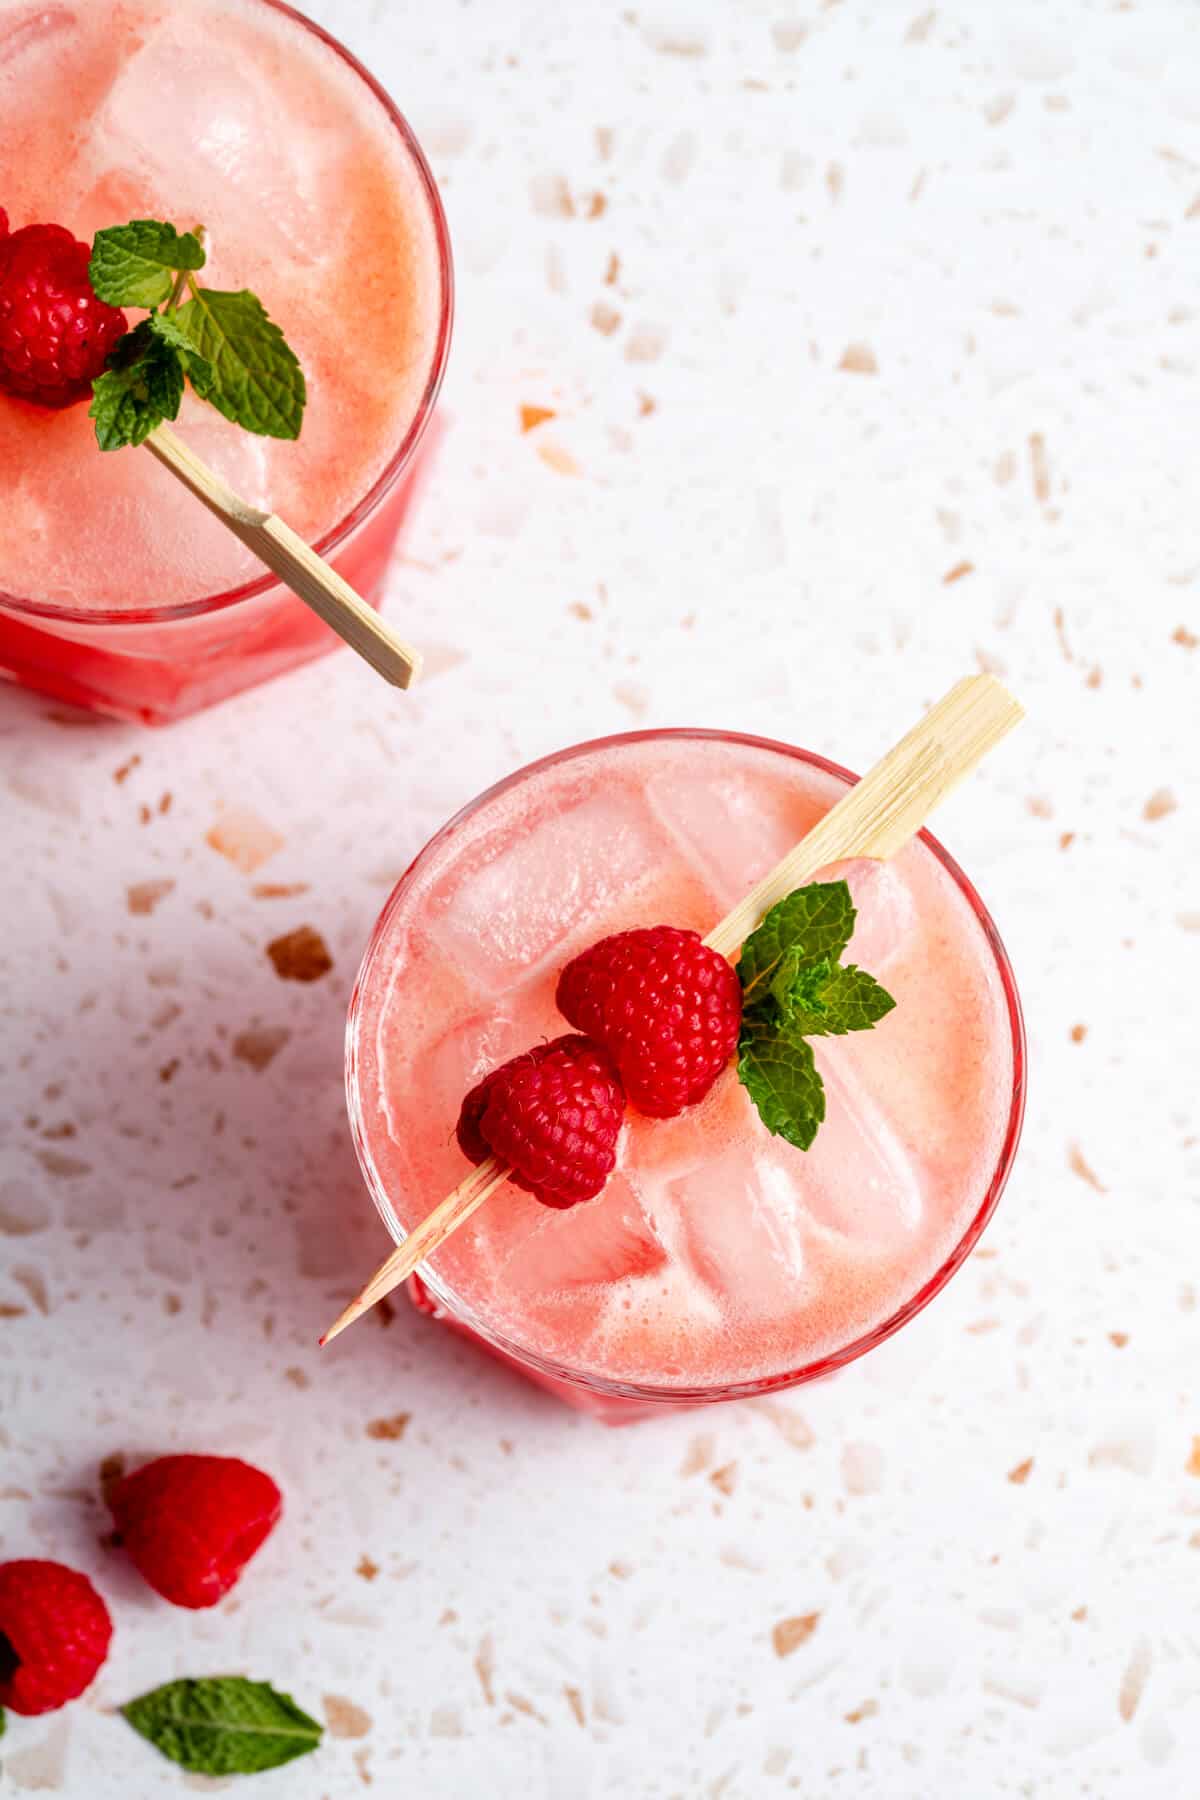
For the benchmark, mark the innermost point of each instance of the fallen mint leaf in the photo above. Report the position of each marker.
(813, 922)
(223, 1725)
(253, 376)
(782, 1079)
(3, 1721)
(136, 264)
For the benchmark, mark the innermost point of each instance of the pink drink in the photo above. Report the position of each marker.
(719, 1260)
(116, 588)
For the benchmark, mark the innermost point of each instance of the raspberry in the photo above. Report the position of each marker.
(666, 1008)
(553, 1115)
(55, 336)
(192, 1523)
(54, 1635)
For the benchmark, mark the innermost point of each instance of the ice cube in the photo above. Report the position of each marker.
(32, 28)
(460, 1059)
(886, 910)
(730, 830)
(508, 913)
(250, 158)
(735, 1222)
(598, 1244)
(858, 1178)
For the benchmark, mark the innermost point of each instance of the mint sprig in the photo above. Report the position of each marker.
(224, 344)
(223, 1725)
(794, 987)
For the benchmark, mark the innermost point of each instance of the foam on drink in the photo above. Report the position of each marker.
(717, 1253)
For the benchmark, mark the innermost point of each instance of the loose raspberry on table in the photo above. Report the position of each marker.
(55, 336)
(192, 1523)
(666, 1008)
(553, 1115)
(54, 1635)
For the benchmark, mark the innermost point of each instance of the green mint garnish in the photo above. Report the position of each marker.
(779, 1074)
(233, 354)
(3, 1721)
(136, 264)
(224, 1725)
(254, 376)
(143, 386)
(793, 988)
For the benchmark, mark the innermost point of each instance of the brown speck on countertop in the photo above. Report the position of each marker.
(1078, 1033)
(579, 609)
(126, 769)
(575, 1702)
(485, 1668)
(532, 416)
(259, 1045)
(605, 318)
(1039, 806)
(612, 269)
(558, 459)
(1187, 640)
(699, 1455)
(243, 839)
(867, 1710)
(1079, 1166)
(1161, 802)
(389, 1430)
(1066, 839)
(344, 1718)
(1020, 1475)
(1193, 1462)
(957, 572)
(858, 359)
(144, 896)
(597, 205)
(300, 955)
(278, 890)
(112, 1471)
(1039, 467)
(1119, 1338)
(1133, 1681)
(725, 1478)
(366, 1568)
(297, 1377)
(789, 1634)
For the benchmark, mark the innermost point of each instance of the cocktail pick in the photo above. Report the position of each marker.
(295, 563)
(875, 818)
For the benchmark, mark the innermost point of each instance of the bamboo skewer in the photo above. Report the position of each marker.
(294, 561)
(874, 818)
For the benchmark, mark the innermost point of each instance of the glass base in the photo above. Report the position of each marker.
(609, 1409)
(154, 673)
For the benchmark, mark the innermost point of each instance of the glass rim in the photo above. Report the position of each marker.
(400, 459)
(649, 1392)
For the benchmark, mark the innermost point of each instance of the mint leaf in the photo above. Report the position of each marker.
(812, 922)
(254, 377)
(782, 1079)
(828, 999)
(136, 264)
(143, 387)
(793, 988)
(163, 326)
(223, 1725)
(3, 1721)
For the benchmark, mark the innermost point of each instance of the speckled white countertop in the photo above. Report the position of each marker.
(872, 336)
